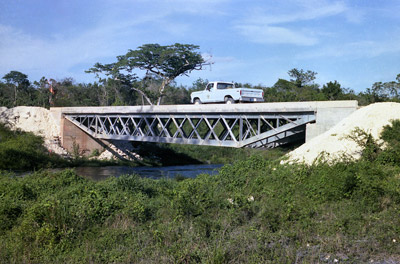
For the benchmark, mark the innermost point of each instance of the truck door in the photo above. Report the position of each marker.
(208, 97)
(221, 92)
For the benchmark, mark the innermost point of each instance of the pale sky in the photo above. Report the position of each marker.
(355, 42)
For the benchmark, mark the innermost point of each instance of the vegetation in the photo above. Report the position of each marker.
(22, 151)
(218, 155)
(253, 211)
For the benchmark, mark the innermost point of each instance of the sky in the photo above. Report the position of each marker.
(355, 42)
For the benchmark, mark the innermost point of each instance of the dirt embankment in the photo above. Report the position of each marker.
(335, 144)
(37, 120)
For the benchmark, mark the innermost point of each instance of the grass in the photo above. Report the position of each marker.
(224, 155)
(22, 151)
(255, 210)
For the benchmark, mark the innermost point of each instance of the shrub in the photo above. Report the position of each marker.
(390, 133)
(194, 197)
(23, 151)
(370, 147)
(391, 136)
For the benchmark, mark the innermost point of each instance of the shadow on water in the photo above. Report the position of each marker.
(187, 171)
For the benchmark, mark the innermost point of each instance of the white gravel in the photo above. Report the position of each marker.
(37, 120)
(31, 119)
(334, 144)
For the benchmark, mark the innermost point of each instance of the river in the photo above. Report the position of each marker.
(187, 171)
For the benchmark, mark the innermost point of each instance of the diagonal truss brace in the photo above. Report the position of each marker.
(228, 130)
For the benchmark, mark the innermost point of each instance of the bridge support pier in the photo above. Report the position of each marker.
(75, 140)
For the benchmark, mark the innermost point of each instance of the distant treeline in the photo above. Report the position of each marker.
(16, 89)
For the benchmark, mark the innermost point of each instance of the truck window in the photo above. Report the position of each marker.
(209, 86)
(224, 86)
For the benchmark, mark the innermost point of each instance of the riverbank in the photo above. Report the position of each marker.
(254, 211)
(99, 173)
(23, 151)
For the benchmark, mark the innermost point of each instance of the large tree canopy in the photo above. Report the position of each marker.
(18, 81)
(164, 62)
(301, 77)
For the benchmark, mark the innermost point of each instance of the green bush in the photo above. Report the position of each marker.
(194, 197)
(24, 151)
(390, 135)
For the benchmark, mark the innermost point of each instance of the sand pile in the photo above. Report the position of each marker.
(334, 143)
(37, 120)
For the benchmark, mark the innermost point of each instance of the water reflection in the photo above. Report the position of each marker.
(188, 171)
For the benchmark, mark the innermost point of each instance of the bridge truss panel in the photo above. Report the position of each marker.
(229, 130)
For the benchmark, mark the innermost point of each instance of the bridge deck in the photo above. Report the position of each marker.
(211, 108)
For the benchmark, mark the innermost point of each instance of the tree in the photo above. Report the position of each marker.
(198, 85)
(385, 91)
(164, 62)
(281, 91)
(296, 89)
(332, 90)
(18, 81)
(301, 77)
(42, 91)
(176, 95)
(381, 92)
(6, 95)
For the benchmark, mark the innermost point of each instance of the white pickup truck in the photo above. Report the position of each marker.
(226, 92)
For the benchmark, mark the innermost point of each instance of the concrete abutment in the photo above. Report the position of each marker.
(76, 141)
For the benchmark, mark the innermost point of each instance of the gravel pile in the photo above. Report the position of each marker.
(37, 120)
(335, 145)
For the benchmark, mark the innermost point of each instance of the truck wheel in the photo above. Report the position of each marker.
(229, 100)
(197, 101)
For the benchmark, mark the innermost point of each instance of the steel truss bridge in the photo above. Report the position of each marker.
(250, 125)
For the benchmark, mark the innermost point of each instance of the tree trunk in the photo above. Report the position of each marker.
(164, 83)
(143, 94)
(15, 95)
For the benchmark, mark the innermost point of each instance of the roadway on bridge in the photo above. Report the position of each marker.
(213, 108)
